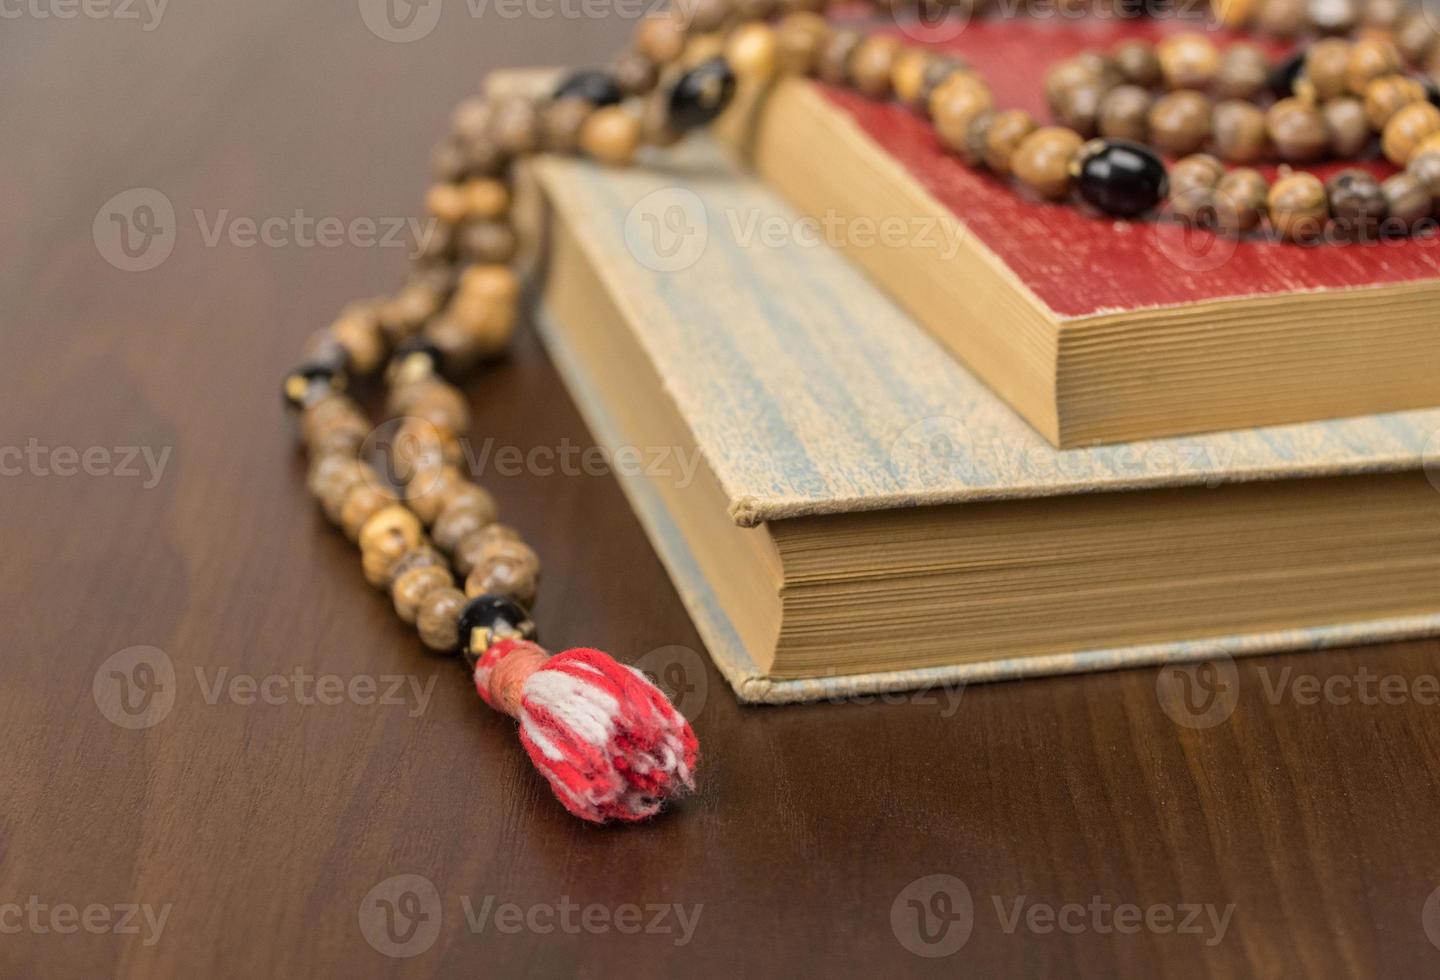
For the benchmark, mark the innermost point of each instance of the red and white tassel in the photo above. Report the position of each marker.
(609, 742)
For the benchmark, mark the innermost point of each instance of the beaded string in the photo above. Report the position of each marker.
(608, 742)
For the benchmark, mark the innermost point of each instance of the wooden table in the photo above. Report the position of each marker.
(1093, 836)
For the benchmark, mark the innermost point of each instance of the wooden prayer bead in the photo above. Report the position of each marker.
(635, 73)
(751, 52)
(1240, 200)
(1347, 125)
(515, 124)
(700, 48)
(1078, 108)
(955, 105)
(509, 568)
(435, 243)
(426, 494)
(490, 242)
(331, 478)
(1409, 199)
(389, 526)
(402, 314)
(1425, 167)
(471, 548)
(938, 70)
(1370, 58)
(660, 38)
(1192, 183)
(490, 281)
(1282, 18)
(1070, 74)
(320, 416)
(446, 202)
(1431, 65)
(424, 556)
(561, 122)
(1389, 94)
(1407, 129)
(1235, 13)
(484, 155)
(447, 160)
(1297, 129)
(907, 75)
(871, 63)
(490, 322)
(1334, 16)
(358, 331)
(468, 509)
(833, 63)
(702, 16)
(471, 116)
(1180, 122)
(1006, 132)
(378, 562)
(1298, 207)
(339, 434)
(405, 390)
(442, 405)
(438, 618)
(1042, 160)
(419, 445)
(485, 197)
(1124, 114)
(1430, 144)
(1382, 13)
(1102, 67)
(362, 501)
(610, 135)
(747, 11)
(326, 471)
(1138, 63)
(799, 38)
(1239, 131)
(1415, 36)
(456, 343)
(409, 588)
(1327, 64)
(438, 276)
(1243, 74)
(1188, 61)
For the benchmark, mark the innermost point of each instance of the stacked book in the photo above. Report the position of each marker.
(915, 476)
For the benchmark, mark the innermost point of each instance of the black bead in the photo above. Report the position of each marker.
(1282, 80)
(498, 617)
(1121, 178)
(308, 382)
(701, 94)
(595, 87)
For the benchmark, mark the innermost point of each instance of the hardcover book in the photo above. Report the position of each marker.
(1098, 330)
(866, 515)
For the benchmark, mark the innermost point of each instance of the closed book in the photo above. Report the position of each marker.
(844, 507)
(1097, 330)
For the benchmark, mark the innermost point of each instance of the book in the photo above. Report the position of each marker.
(1097, 330)
(843, 507)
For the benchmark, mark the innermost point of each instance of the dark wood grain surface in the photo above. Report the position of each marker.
(260, 831)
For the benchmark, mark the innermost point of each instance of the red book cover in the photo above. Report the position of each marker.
(1079, 263)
